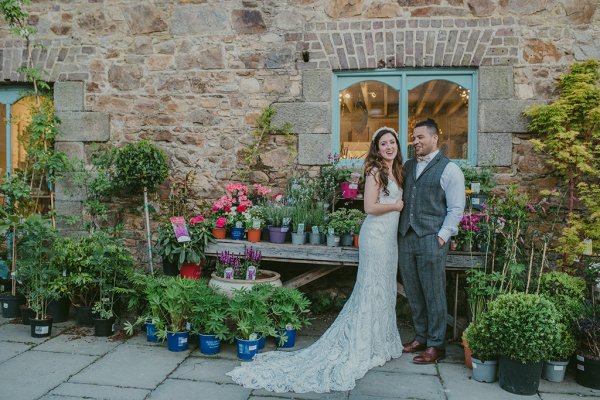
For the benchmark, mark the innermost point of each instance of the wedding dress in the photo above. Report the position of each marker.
(363, 336)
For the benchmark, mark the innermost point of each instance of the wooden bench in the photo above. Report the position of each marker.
(330, 259)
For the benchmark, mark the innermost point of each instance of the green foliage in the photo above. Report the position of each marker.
(483, 175)
(566, 292)
(323, 302)
(36, 269)
(261, 135)
(249, 312)
(167, 246)
(300, 215)
(480, 339)
(13, 13)
(139, 165)
(564, 347)
(288, 307)
(316, 217)
(340, 223)
(588, 332)
(17, 194)
(482, 288)
(209, 312)
(571, 139)
(522, 326)
(275, 213)
(173, 303)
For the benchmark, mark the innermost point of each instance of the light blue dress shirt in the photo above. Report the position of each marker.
(453, 184)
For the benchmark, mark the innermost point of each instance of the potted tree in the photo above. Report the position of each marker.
(209, 317)
(523, 328)
(36, 267)
(288, 308)
(250, 318)
(484, 355)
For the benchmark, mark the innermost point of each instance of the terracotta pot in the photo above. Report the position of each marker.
(219, 233)
(467, 350)
(254, 235)
(356, 240)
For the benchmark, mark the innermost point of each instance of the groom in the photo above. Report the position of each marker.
(434, 201)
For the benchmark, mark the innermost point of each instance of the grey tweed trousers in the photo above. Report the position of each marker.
(422, 264)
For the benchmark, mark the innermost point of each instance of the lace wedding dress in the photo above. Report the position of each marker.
(363, 336)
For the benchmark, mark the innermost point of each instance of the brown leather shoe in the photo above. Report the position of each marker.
(431, 355)
(413, 347)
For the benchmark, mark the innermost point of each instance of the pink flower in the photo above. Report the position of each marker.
(530, 207)
(197, 219)
(220, 222)
(278, 197)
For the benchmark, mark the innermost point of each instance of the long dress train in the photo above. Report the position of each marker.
(363, 336)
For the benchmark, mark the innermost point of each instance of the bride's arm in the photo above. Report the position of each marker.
(372, 206)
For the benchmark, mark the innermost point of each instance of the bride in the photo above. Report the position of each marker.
(365, 334)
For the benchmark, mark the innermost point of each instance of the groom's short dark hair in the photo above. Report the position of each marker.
(429, 123)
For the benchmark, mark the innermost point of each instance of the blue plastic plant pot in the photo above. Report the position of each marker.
(237, 233)
(177, 341)
(209, 344)
(246, 349)
(151, 332)
(261, 342)
(291, 338)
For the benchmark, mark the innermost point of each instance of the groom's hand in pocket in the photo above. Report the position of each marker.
(441, 241)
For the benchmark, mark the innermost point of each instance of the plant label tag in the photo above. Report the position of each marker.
(285, 228)
(475, 201)
(188, 326)
(474, 366)
(238, 224)
(4, 305)
(558, 367)
(251, 273)
(252, 348)
(289, 327)
(353, 186)
(330, 231)
(253, 336)
(112, 328)
(256, 224)
(300, 228)
(228, 273)
(182, 341)
(580, 358)
(580, 367)
(41, 330)
(286, 221)
(475, 187)
(315, 229)
(180, 228)
(336, 239)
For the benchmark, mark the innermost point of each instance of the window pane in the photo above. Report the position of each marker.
(448, 104)
(365, 107)
(20, 118)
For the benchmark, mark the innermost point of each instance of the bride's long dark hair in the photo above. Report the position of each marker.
(374, 161)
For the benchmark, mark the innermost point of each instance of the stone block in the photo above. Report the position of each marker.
(76, 390)
(496, 83)
(84, 126)
(73, 150)
(202, 18)
(68, 96)
(316, 85)
(494, 149)
(67, 190)
(304, 117)
(313, 148)
(503, 115)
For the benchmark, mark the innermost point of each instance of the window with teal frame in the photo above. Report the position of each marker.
(364, 101)
(15, 106)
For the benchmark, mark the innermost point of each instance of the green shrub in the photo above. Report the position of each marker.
(480, 341)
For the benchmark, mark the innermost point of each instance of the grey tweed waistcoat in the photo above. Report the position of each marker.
(424, 199)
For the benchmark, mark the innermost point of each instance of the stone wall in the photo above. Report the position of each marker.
(192, 75)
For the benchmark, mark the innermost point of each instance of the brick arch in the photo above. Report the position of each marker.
(398, 43)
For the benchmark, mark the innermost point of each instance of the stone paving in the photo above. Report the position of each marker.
(73, 364)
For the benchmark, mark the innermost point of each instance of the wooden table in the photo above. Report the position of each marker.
(330, 259)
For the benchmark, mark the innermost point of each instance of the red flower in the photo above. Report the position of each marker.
(241, 209)
(197, 219)
(227, 210)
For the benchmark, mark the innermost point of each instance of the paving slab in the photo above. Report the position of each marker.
(77, 344)
(22, 333)
(303, 396)
(10, 349)
(564, 396)
(404, 365)
(386, 384)
(140, 340)
(183, 389)
(55, 397)
(568, 386)
(132, 366)
(205, 369)
(33, 374)
(459, 386)
(99, 392)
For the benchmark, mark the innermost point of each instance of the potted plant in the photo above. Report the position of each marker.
(255, 223)
(588, 348)
(234, 206)
(523, 327)
(219, 229)
(338, 226)
(288, 308)
(555, 365)
(299, 223)
(316, 221)
(250, 315)
(355, 219)
(148, 290)
(114, 265)
(209, 317)
(484, 354)
(36, 266)
(234, 271)
(278, 217)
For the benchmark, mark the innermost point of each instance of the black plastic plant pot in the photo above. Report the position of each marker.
(59, 309)
(104, 327)
(41, 327)
(588, 372)
(520, 378)
(84, 316)
(26, 314)
(10, 305)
